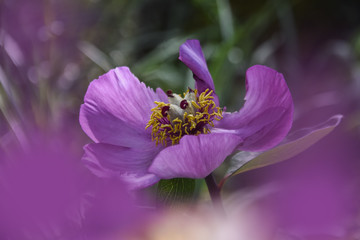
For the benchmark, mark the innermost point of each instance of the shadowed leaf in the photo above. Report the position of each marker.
(291, 146)
(172, 191)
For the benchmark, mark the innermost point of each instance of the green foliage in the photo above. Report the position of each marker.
(177, 190)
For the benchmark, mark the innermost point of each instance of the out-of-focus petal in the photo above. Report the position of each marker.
(117, 107)
(112, 212)
(128, 164)
(194, 156)
(191, 55)
(267, 115)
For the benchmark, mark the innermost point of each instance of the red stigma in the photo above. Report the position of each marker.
(169, 93)
(184, 104)
(164, 110)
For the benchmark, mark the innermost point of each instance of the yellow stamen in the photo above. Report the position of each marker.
(165, 131)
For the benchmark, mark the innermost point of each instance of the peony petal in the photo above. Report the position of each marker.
(128, 164)
(292, 145)
(117, 107)
(194, 156)
(191, 55)
(267, 115)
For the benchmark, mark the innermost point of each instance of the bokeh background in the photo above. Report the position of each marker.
(51, 50)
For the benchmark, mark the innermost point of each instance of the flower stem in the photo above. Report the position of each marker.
(214, 191)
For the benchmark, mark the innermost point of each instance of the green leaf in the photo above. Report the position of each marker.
(176, 190)
(292, 145)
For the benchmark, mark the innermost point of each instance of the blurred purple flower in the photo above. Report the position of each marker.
(46, 193)
(143, 135)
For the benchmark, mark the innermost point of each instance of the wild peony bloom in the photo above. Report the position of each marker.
(143, 135)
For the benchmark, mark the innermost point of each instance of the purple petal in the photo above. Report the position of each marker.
(294, 143)
(129, 164)
(117, 107)
(191, 55)
(267, 115)
(194, 156)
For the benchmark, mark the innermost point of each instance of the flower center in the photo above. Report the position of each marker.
(188, 115)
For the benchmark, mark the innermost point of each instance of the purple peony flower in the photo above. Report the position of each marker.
(143, 135)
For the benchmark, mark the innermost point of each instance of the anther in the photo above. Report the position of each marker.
(190, 115)
(184, 104)
(164, 110)
(169, 93)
